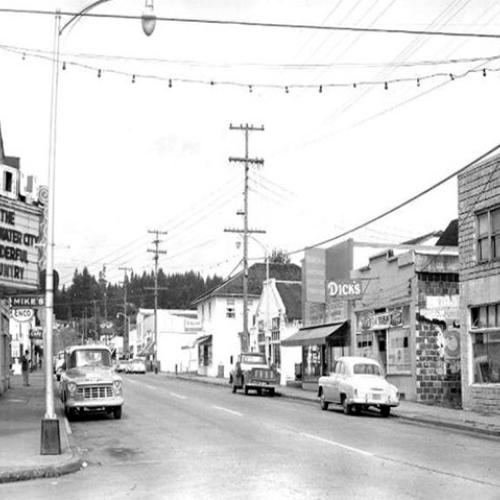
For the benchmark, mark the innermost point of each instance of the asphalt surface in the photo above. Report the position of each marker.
(182, 440)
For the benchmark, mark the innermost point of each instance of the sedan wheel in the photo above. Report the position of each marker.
(322, 402)
(347, 407)
(385, 411)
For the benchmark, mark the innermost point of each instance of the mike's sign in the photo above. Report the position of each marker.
(344, 289)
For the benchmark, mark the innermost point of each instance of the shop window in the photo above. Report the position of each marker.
(488, 235)
(398, 351)
(486, 356)
(312, 361)
(485, 316)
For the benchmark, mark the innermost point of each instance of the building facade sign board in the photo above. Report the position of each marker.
(347, 289)
(27, 301)
(22, 315)
(19, 236)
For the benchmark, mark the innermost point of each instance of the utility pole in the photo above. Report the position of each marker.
(126, 326)
(104, 283)
(156, 251)
(246, 162)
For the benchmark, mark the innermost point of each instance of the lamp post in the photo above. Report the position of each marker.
(50, 443)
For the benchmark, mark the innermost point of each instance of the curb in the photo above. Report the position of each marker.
(66, 466)
(472, 428)
(485, 431)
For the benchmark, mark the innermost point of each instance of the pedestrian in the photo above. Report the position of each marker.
(25, 368)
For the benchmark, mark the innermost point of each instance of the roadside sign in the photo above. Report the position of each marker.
(344, 289)
(36, 333)
(22, 315)
(27, 301)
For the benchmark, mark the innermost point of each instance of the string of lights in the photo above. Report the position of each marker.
(320, 87)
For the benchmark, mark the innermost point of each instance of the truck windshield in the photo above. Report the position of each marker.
(253, 359)
(97, 357)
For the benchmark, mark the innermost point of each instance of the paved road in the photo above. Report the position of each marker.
(184, 440)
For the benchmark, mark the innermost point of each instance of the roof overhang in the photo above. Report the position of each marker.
(205, 339)
(334, 333)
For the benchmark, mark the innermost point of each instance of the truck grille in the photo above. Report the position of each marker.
(95, 391)
(263, 374)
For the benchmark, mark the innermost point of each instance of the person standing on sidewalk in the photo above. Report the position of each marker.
(25, 368)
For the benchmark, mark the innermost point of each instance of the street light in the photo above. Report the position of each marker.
(148, 19)
(50, 443)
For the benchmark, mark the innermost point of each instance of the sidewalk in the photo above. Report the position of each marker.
(451, 418)
(21, 412)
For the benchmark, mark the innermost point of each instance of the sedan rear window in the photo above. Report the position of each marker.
(366, 369)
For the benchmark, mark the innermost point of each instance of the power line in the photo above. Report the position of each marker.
(400, 205)
(261, 24)
(278, 66)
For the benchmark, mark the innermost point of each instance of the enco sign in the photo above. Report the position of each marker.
(346, 289)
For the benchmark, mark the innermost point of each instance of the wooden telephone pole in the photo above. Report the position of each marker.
(156, 251)
(246, 161)
(127, 321)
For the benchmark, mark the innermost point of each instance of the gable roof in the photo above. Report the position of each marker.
(291, 295)
(449, 238)
(424, 239)
(233, 287)
(11, 161)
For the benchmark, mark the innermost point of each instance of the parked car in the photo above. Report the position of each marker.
(357, 383)
(136, 365)
(252, 371)
(89, 382)
(122, 365)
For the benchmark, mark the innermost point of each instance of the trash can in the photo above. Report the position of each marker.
(220, 371)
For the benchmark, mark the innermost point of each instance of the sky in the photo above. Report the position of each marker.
(135, 154)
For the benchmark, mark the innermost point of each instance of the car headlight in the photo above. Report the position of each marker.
(72, 387)
(117, 384)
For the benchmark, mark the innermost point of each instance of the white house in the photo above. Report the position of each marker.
(177, 332)
(278, 316)
(221, 313)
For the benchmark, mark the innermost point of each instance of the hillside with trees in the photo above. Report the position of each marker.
(89, 300)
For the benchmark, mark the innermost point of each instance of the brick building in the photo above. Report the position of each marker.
(479, 245)
(408, 319)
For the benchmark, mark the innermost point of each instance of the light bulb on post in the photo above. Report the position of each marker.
(148, 19)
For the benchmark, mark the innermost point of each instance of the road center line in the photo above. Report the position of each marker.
(340, 445)
(232, 412)
(180, 396)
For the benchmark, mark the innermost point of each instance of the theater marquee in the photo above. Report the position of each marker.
(19, 234)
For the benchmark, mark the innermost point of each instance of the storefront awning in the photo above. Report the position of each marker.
(315, 335)
(203, 340)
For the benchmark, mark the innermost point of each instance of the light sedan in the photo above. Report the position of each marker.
(357, 383)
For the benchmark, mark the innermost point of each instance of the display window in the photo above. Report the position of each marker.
(486, 357)
(398, 351)
(312, 361)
